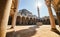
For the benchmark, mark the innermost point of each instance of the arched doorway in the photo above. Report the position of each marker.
(23, 20)
(18, 20)
(27, 20)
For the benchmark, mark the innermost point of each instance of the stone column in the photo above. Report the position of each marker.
(52, 21)
(58, 16)
(24, 21)
(27, 20)
(15, 14)
(5, 6)
(13, 21)
(21, 20)
(33, 21)
(56, 6)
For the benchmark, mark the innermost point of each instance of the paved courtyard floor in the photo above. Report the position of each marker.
(32, 31)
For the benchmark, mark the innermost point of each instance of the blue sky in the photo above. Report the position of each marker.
(31, 6)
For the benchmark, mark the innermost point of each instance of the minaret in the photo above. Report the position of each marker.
(38, 12)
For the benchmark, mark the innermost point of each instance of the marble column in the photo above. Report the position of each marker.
(52, 20)
(56, 6)
(24, 21)
(5, 6)
(21, 20)
(15, 14)
(13, 21)
(33, 21)
(27, 20)
(58, 16)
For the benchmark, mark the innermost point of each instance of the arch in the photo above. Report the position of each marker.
(18, 20)
(31, 21)
(23, 20)
(27, 20)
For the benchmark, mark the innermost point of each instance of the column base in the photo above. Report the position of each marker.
(55, 30)
(59, 25)
(11, 27)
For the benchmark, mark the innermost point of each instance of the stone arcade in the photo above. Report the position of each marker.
(9, 8)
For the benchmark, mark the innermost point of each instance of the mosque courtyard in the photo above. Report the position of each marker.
(28, 25)
(32, 31)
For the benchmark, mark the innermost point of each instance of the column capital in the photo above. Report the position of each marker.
(48, 3)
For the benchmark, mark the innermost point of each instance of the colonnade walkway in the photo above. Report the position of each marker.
(32, 31)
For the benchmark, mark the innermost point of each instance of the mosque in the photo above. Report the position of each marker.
(10, 8)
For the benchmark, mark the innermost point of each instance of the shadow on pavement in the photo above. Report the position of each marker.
(22, 33)
(56, 31)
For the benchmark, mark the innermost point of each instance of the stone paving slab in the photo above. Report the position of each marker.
(44, 31)
(32, 31)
